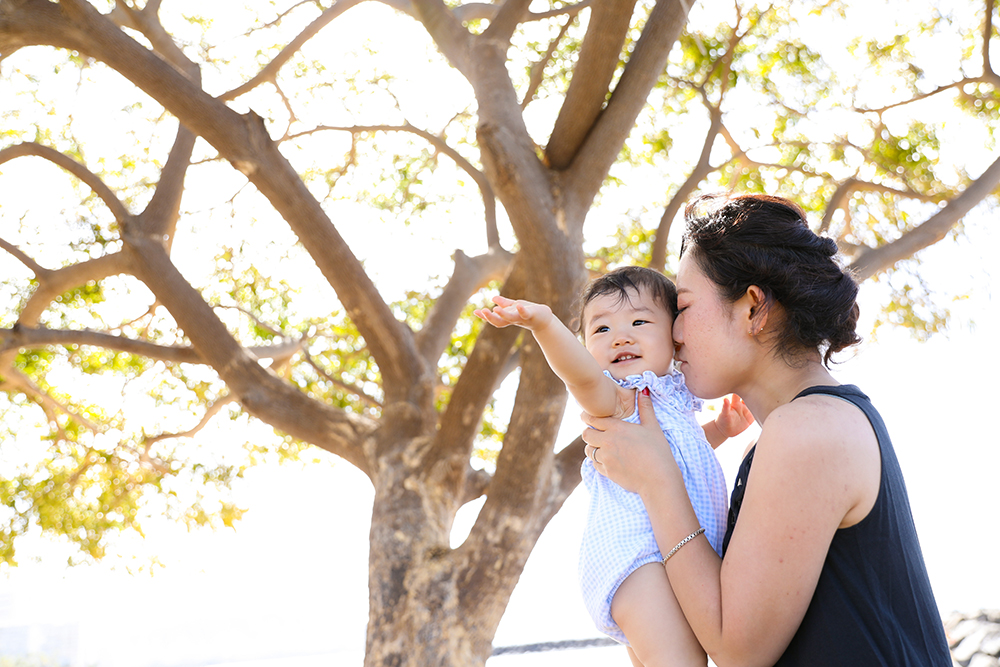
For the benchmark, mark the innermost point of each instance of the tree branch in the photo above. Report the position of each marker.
(988, 71)
(489, 198)
(565, 10)
(603, 144)
(20, 256)
(54, 282)
(703, 167)
(523, 490)
(588, 89)
(147, 22)
(451, 37)
(841, 196)
(921, 96)
(262, 393)
(471, 274)
(357, 391)
(568, 461)
(477, 482)
(701, 170)
(91, 179)
(244, 141)
(876, 260)
(839, 200)
(538, 69)
(22, 337)
(988, 76)
(269, 72)
(486, 11)
(502, 26)
(19, 381)
(213, 409)
(460, 420)
(253, 318)
(160, 216)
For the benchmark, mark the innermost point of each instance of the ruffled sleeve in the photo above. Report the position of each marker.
(670, 389)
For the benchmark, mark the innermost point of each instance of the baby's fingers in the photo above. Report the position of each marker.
(503, 301)
(491, 317)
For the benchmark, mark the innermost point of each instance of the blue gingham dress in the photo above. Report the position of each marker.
(618, 537)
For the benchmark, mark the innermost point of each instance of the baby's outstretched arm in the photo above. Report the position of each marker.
(595, 392)
(733, 419)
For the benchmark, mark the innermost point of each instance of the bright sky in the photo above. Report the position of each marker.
(291, 579)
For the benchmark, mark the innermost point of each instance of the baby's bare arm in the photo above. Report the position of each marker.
(595, 392)
(734, 418)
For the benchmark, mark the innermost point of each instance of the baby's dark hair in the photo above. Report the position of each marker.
(636, 278)
(764, 241)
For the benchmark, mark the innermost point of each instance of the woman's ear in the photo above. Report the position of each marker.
(757, 306)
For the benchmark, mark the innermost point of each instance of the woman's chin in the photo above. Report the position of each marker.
(692, 384)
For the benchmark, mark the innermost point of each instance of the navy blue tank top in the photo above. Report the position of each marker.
(873, 603)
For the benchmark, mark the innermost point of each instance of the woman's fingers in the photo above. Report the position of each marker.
(646, 413)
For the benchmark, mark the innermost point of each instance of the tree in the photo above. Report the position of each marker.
(403, 389)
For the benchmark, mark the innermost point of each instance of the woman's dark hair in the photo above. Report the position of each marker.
(764, 241)
(635, 278)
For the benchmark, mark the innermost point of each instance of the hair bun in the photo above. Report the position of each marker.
(828, 246)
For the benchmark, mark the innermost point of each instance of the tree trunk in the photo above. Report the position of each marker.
(413, 577)
(431, 605)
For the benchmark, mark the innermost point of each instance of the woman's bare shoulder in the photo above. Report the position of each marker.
(820, 420)
(831, 441)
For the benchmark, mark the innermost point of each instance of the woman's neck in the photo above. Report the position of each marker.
(779, 383)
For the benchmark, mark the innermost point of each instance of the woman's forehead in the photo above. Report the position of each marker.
(689, 274)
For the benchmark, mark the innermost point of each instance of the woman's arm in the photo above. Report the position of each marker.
(812, 473)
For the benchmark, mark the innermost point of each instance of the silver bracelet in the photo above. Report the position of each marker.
(682, 543)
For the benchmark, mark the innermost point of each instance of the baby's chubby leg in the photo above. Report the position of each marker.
(645, 608)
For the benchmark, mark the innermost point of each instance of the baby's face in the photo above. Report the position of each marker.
(630, 336)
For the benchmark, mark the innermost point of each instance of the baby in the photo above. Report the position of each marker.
(626, 323)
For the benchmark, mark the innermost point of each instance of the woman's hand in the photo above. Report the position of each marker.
(631, 455)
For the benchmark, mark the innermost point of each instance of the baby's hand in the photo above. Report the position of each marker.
(522, 313)
(734, 418)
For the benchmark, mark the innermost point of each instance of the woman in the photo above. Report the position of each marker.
(821, 564)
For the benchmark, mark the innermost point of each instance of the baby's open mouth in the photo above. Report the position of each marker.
(625, 357)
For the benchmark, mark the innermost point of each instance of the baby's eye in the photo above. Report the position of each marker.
(638, 323)
(601, 329)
